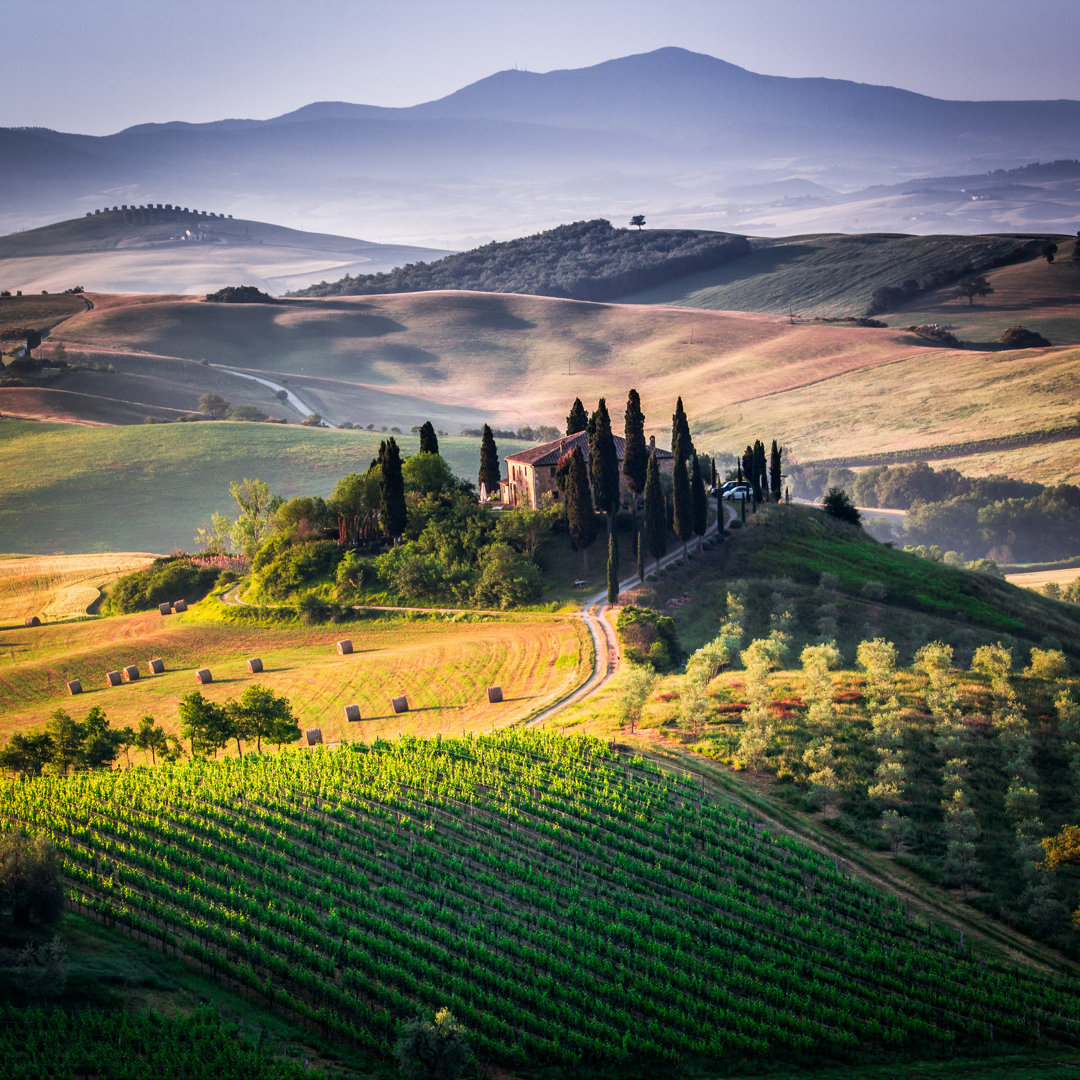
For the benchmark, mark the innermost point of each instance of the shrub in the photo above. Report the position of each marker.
(935, 333)
(240, 294)
(31, 889)
(647, 637)
(166, 579)
(297, 566)
(837, 504)
(1019, 337)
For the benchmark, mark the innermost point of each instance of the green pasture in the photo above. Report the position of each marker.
(82, 489)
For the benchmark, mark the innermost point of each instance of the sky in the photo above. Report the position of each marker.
(98, 67)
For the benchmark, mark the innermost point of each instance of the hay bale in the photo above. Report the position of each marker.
(344, 647)
(179, 605)
(313, 736)
(164, 609)
(203, 676)
(352, 713)
(113, 678)
(131, 672)
(74, 687)
(494, 694)
(32, 621)
(254, 665)
(157, 665)
(401, 704)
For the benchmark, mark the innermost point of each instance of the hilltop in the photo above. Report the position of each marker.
(519, 151)
(166, 248)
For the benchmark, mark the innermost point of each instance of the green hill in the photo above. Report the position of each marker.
(576, 910)
(797, 558)
(589, 260)
(101, 489)
(836, 275)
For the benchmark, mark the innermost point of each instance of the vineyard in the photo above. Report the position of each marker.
(572, 907)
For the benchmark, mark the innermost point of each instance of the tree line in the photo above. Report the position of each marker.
(588, 260)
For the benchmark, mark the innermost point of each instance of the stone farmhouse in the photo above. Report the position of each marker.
(530, 474)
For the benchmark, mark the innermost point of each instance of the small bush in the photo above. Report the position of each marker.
(169, 578)
(1019, 337)
(647, 637)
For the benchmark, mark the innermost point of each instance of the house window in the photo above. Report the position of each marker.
(553, 471)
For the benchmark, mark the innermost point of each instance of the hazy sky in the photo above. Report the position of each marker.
(97, 66)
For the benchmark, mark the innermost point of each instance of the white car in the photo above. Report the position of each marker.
(739, 491)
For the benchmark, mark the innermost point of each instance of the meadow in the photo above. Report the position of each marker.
(442, 663)
(82, 489)
(59, 587)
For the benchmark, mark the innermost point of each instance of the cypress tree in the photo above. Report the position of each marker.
(683, 511)
(776, 484)
(429, 443)
(612, 569)
(761, 480)
(636, 451)
(392, 513)
(655, 525)
(699, 499)
(578, 418)
(680, 426)
(640, 554)
(747, 466)
(489, 462)
(580, 516)
(603, 463)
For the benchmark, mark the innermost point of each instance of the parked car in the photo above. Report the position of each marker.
(739, 491)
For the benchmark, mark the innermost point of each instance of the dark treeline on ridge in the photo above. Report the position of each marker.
(589, 260)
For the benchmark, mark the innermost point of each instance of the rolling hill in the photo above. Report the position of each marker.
(517, 151)
(177, 250)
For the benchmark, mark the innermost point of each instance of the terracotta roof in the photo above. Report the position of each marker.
(551, 453)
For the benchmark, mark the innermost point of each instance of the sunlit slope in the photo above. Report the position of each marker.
(443, 666)
(573, 908)
(830, 274)
(76, 489)
(59, 587)
(521, 358)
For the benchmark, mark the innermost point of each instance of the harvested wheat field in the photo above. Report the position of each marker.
(443, 665)
(56, 587)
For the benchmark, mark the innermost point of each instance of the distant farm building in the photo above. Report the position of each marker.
(530, 474)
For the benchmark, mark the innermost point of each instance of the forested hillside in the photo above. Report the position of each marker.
(589, 260)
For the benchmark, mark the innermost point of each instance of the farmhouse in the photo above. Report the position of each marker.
(530, 474)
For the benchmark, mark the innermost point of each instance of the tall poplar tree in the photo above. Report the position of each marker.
(604, 464)
(635, 451)
(680, 427)
(776, 480)
(699, 498)
(429, 442)
(655, 525)
(393, 516)
(683, 511)
(489, 462)
(580, 516)
(578, 418)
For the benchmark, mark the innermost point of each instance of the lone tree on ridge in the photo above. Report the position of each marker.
(638, 220)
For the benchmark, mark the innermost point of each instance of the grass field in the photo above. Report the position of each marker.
(59, 587)
(442, 664)
(78, 489)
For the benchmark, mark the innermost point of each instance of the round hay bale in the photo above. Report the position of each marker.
(401, 704)
(203, 676)
(131, 672)
(179, 605)
(113, 678)
(157, 666)
(313, 736)
(74, 687)
(164, 609)
(344, 647)
(32, 621)
(494, 694)
(352, 713)
(254, 665)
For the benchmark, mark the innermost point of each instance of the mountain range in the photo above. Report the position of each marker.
(685, 138)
